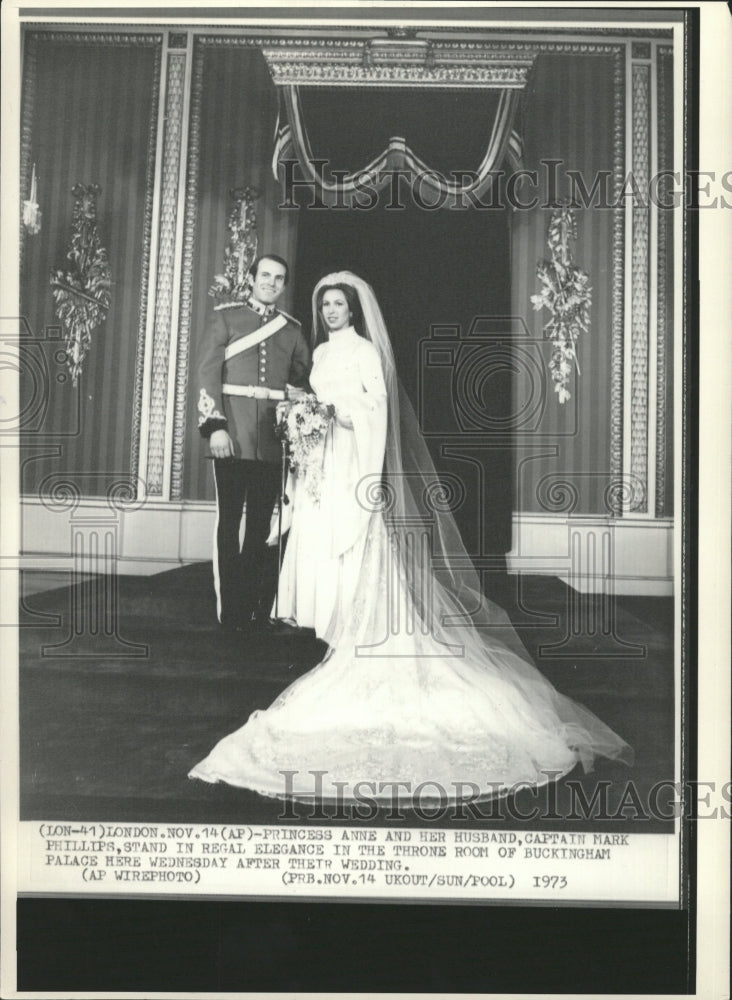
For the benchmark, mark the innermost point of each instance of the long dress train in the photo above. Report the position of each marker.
(407, 704)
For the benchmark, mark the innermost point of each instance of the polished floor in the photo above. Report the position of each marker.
(124, 686)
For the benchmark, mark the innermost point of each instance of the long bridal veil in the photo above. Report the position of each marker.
(426, 690)
(420, 593)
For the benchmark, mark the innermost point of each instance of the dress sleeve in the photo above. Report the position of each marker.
(372, 376)
(372, 383)
(364, 427)
(209, 376)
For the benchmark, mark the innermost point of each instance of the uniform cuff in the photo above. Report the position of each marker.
(209, 426)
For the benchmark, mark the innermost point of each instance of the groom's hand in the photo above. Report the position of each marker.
(221, 444)
(292, 392)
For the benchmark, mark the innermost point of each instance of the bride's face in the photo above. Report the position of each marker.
(335, 311)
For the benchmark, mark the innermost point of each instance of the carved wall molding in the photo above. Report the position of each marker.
(340, 74)
(145, 280)
(409, 62)
(665, 236)
(399, 62)
(618, 269)
(256, 34)
(186, 294)
(640, 276)
(164, 289)
(91, 37)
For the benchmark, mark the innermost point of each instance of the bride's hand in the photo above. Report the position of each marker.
(341, 414)
(343, 418)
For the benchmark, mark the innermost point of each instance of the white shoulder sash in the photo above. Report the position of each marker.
(252, 339)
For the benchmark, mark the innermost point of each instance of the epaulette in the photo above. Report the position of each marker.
(227, 305)
(291, 318)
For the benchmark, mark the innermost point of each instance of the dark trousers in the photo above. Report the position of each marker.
(246, 574)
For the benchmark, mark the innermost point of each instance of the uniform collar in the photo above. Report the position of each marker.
(260, 308)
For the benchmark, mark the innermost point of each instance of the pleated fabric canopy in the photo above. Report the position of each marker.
(331, 166)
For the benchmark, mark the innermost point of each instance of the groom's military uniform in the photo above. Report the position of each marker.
(249, 354)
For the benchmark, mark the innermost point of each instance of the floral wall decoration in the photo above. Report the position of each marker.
(82, 291)
(235, 282)
(567, 295)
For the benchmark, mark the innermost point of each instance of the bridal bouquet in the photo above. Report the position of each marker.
(303, 424)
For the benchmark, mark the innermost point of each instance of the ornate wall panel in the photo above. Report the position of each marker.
(574, 115)
(88, 113)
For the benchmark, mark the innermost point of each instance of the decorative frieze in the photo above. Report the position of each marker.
(398, 62)
(91, 37)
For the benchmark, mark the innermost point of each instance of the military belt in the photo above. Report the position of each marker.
(253, 391)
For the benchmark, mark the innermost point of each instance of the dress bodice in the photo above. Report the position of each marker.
(346, 367)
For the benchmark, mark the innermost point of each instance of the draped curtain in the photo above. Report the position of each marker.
(490, 119)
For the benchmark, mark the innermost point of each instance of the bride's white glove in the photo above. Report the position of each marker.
(343, 418)
(342, 414)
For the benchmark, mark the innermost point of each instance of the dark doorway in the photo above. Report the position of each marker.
(446, 267)
(443, 268)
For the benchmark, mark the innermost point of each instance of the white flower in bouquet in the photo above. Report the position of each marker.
(303, 423)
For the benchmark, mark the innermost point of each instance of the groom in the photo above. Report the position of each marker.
(252, 356)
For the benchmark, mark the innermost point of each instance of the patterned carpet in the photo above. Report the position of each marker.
(111, 722)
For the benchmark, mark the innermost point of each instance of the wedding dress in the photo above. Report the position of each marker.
(325, 547)
(426, 691)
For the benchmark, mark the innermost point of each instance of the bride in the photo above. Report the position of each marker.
(426, 690)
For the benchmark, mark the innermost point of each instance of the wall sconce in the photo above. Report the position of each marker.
(31, 212)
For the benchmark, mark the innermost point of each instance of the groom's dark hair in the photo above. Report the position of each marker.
(270, 256)
(354, 304)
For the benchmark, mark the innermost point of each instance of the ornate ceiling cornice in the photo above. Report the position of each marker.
(398, 61)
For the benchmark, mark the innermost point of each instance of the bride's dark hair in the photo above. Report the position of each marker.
(354, 306)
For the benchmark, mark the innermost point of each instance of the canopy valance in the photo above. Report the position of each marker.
(339, 181)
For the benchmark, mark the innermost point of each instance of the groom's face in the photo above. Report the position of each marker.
(269, 281)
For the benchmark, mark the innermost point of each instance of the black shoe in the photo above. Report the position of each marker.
(278, 626)
(245, 628)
